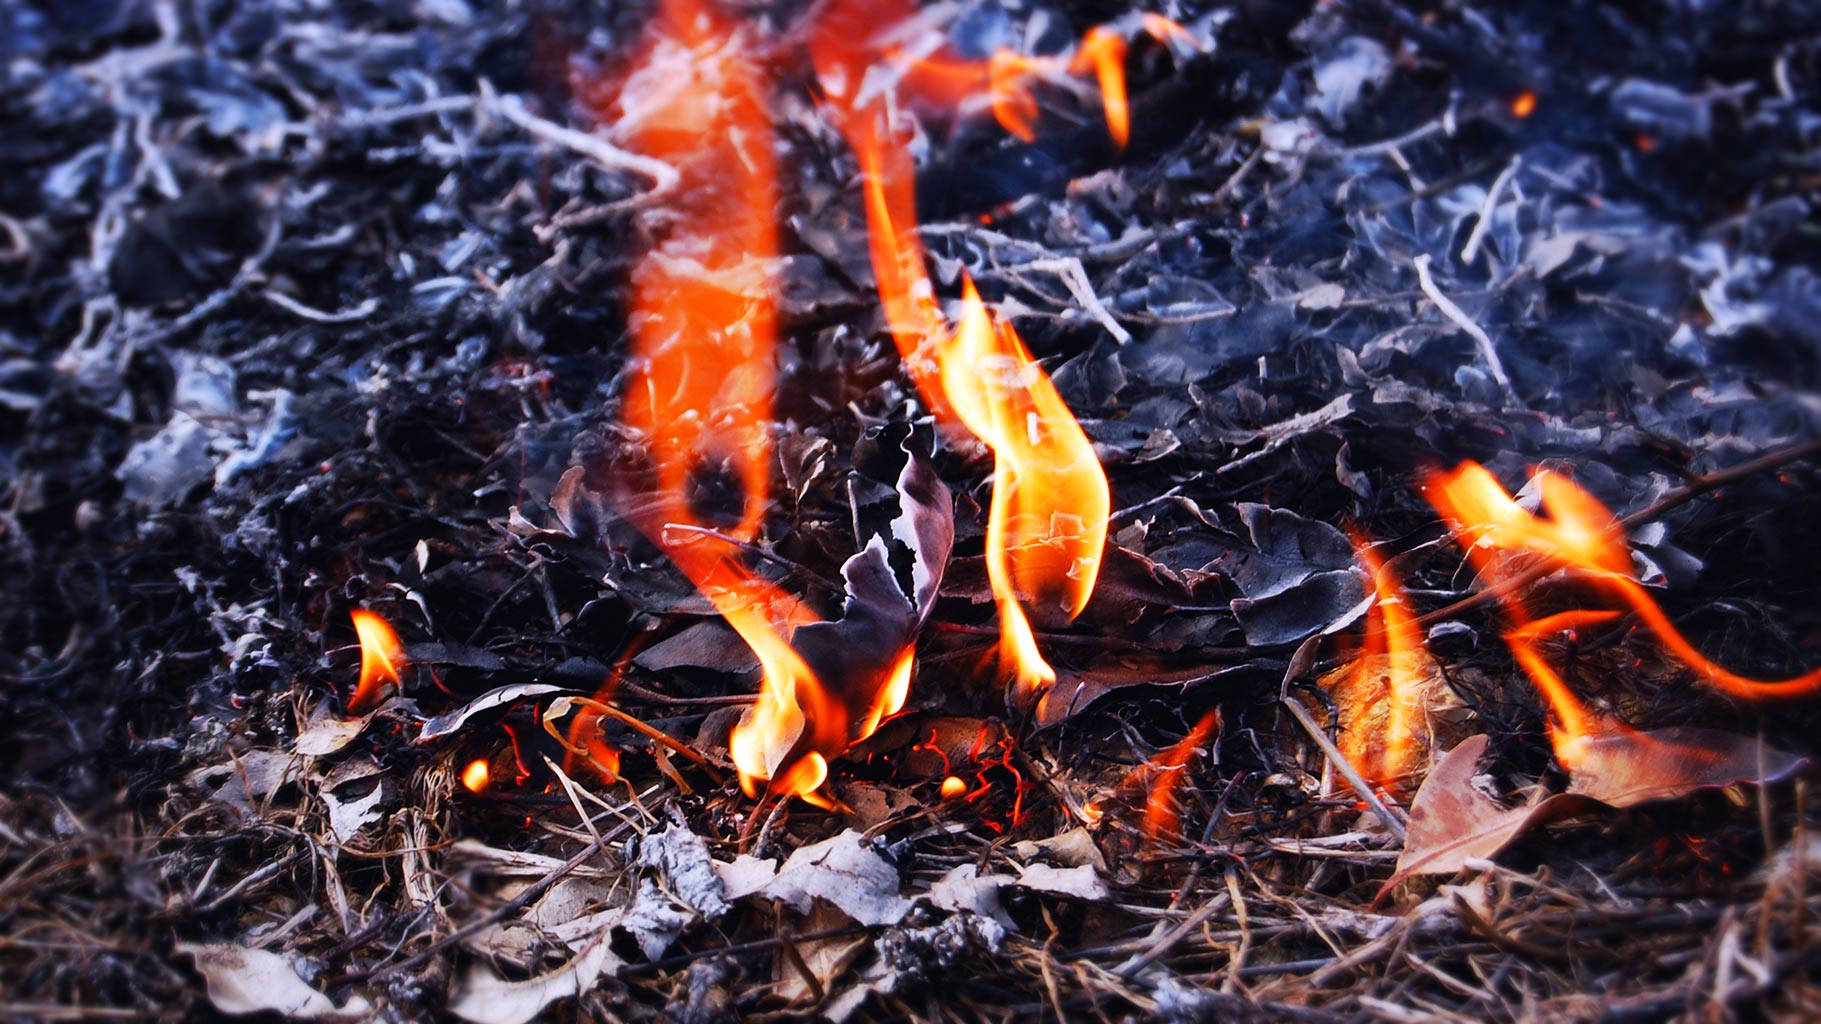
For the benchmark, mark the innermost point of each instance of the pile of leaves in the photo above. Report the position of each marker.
(310, 307)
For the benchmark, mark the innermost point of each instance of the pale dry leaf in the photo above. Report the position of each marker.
(242, 980)
(327, 732)
(745, 875)
(845, 871)
(485, 998)
(1081, 882)
(964, 890)
(681, 857)
(348, 817)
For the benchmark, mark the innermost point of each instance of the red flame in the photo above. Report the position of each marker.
(1161, 817)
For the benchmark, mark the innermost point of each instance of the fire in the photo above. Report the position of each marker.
(1047, 524)
(1388, 673)
(1581, 535)
(475, 776)
(705, 329)
(1523, 104)
(1167, 768)
(952, 787)
(382, 657)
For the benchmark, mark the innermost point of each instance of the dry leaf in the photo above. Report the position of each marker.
(1452, 822)
(682, 858)
(1080, 882)
(745, 876)
(846, 872)
(485, 998)
(1626, 768)
(243, 980)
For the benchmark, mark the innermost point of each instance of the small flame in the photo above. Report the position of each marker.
(382, 657)
(1161, 817)
(475, 776)
(1390, 670)
(1582, 535)
(953, 787)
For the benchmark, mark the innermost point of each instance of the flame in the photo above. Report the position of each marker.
(952, 787)
(1160, 814)
(1390, 669)
(1047, 524)
(705, 328)
(382, 657)
(1583, 536)
(475, 776)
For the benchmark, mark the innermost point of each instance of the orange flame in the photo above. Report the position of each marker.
(1583, 536)
(1161, 817)
(705, 329)
(382, 657)
(952, 787)
(1047, 525)
(1389, 668)
(476, 775)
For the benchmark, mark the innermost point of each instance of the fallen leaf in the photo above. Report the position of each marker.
(1626, 768)
(746, 875)
(1080, 882)
(248, 777)
(1452, 822)
(485, 998)
(964, 890)
(682, 858)
(443, 725)
(242, 980)
(348, 817)
(845, 871)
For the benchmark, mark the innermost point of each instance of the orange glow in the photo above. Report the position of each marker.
(953, 787)
(1047, 524)
(1390, 669)
(475, 775)
(1161, 817)
(1582, 536)
(382, 657)
(1523, 104)
(705, 329)
(845, 51)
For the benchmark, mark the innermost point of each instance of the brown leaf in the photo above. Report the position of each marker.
(1452, 822)
(1627, 768)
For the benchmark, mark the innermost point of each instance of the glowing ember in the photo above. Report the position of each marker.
(1523, 104)
(382, 657)
(475, 776)
(1579, 533)
(953, 787)
(1167, 768)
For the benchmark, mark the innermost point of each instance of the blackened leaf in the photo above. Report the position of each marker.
(711, 644)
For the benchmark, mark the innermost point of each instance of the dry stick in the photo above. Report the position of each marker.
(655, 735)
(1384, 813)
(1688, 492)
(1175, 935)
(1488, 352)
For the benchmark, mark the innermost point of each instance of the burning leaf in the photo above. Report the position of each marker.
(845, 871)
(1452, 821)
(485, 998)
(242, 980)
(1623, 768)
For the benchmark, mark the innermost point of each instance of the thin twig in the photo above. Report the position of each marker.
(1392, 822)
(1488, 352)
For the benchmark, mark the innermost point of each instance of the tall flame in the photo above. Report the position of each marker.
(1388, 672)
(705, 329)
(1047, 525)
(1161, 816)
(382, 657)
(1580, 534)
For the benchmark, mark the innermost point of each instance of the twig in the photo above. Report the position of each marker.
(663, 176)
(1170, 939)
(655, 735)
(1471, 250)
(1392, 822)
(1453, 312)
